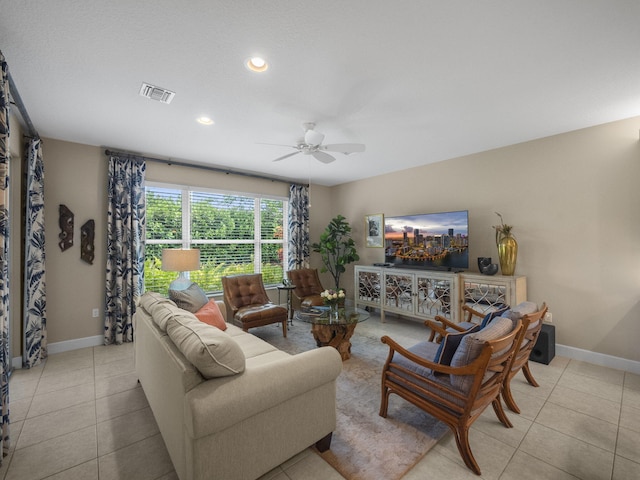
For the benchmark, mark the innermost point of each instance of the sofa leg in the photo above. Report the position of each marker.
(324, 443)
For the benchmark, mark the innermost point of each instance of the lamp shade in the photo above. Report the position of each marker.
(180, 259)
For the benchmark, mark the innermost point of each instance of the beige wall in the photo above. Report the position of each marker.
(573, 200)
(75, 176)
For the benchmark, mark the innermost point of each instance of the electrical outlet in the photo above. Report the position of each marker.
(95, 313)
(548, 318)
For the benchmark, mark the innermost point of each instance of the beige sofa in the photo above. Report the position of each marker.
(250, 414)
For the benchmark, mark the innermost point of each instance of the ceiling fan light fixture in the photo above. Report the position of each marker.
(257, 64)
(311, 137)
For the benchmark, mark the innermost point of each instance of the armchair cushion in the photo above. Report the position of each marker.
(520, 310)
(210, 350)
(471, 346)
(191, 299)
(491, 315)
(450, 343)
(262, 314)
(426, 350)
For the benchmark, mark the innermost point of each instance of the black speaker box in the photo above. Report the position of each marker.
(545, 347)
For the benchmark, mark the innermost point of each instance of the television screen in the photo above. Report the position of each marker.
(429, 241)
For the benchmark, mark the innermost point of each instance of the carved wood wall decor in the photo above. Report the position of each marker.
(66, 228)
(87, 233)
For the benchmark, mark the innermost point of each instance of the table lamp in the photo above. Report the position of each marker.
(180, 260)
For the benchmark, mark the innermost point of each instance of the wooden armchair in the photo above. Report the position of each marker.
(531, 327)
(459, 393)
(248, 305)
(308, 288)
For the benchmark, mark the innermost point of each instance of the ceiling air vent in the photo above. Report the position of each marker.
(158, 94)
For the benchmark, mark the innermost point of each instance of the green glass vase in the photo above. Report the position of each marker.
(507, 254)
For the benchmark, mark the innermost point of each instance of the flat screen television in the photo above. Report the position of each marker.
(437, 241)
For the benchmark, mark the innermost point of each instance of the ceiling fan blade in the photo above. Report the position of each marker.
(286, 156)
(345, 148)
(323, 157)
(276, 144)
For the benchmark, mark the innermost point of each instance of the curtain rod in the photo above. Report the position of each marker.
(31, 130)
(202, 167)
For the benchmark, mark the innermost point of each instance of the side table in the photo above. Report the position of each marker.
(287, 289)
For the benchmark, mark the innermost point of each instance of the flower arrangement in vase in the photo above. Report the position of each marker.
(507, 247)
(333, 298)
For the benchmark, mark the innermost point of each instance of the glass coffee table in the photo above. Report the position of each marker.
(333, 329)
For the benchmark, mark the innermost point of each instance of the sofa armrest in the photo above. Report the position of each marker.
(219, 403)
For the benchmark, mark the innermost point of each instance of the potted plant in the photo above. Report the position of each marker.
(337, 248)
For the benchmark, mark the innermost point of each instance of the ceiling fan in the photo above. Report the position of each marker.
(312, 145)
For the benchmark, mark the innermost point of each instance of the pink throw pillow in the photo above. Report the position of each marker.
(211, 314)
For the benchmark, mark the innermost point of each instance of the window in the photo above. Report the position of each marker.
(235, 234)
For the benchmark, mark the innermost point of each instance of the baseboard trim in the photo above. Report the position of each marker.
(65, 346)
(75, 344)
(599, 359)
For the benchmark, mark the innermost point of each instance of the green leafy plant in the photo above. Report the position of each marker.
(336, 248)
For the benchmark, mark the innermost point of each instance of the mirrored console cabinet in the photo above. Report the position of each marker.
(427, 293)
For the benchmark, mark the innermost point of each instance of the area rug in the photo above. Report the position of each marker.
(366, 446)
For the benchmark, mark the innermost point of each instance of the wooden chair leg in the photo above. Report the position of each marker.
(284, 328)
(500, 413)
(384, 401)
(462, 440)
(528, 375)
(508, 397)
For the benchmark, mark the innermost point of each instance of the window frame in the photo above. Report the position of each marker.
(188, 242)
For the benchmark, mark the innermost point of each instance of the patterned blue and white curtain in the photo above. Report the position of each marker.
(4, 257)
(35, 300)
(125, 246)
(298, 227)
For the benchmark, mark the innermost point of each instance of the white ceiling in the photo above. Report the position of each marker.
(417, 81)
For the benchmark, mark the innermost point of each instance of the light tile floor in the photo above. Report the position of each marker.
(82, 415)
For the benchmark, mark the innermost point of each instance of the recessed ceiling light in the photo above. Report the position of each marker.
(205, 120)
(257, 64)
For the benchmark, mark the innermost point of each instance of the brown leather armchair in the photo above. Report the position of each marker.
(248, 305)
(308, 288)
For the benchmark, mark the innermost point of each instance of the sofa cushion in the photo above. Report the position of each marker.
(252, 346)
(211, 314)
(191, 299)
(210, 350)
(471, 346)
(159, 307)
